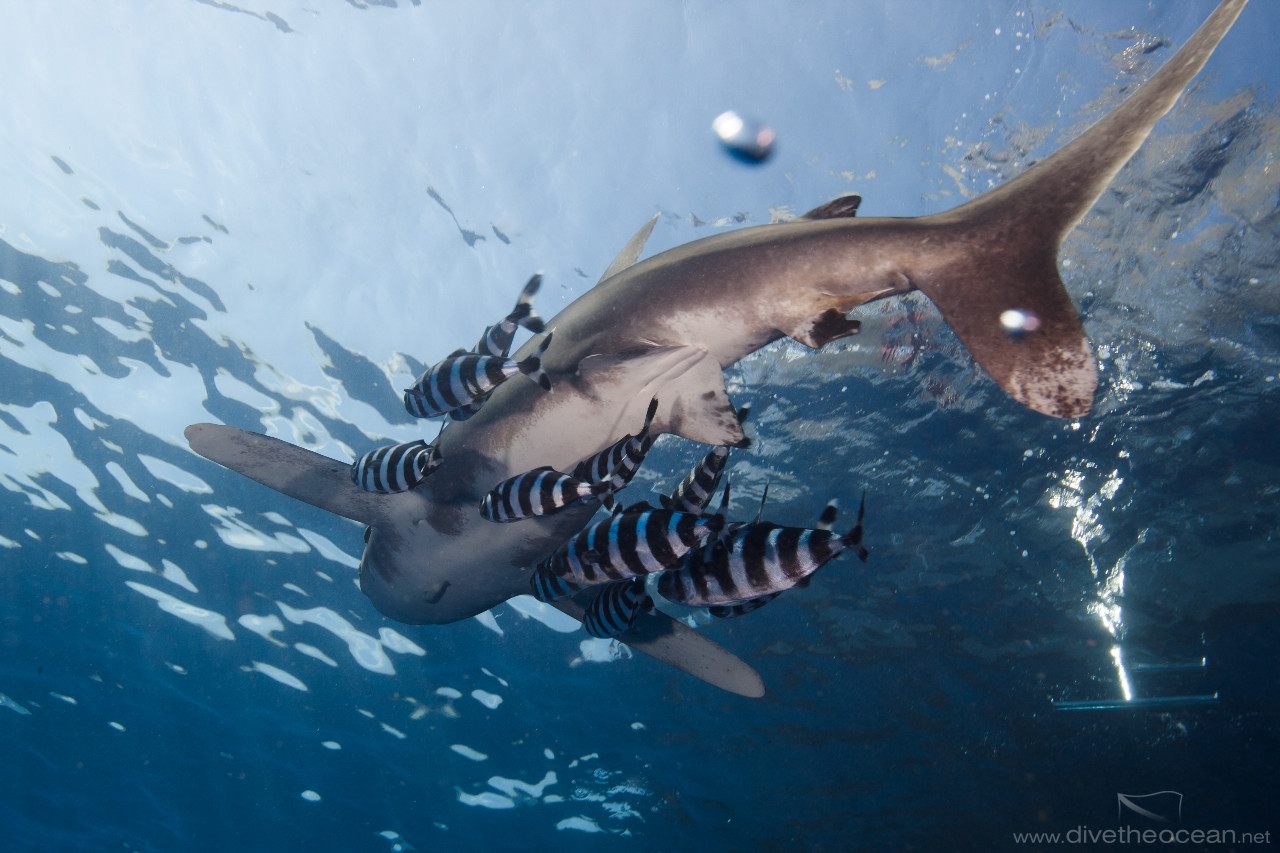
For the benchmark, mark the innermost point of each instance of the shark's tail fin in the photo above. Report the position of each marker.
(1002, 294)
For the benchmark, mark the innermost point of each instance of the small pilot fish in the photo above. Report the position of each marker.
(543, 491)
(695, 490)
(630, 544)
(497, 339)
(546, 586)
(464, 377)
(396, 467)
(757, 560)
(731, 611)
(624, 455)
(615, 608)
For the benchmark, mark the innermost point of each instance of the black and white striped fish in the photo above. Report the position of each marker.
(695, 490)
(546, 586)
(630, 544)
(625, 455)
(543, 491)
(615, 608)
(464, 377)
(731, 611)
(396, 467)
(757, 560)
(496, 340)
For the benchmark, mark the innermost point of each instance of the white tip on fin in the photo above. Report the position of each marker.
(290, 470)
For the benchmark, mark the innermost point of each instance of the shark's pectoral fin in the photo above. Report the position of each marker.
(290, 470)
(663, 638)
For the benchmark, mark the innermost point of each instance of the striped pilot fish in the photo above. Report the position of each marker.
(757, 560)
(464, 377)
(625, 455)
(615, 608)
(545, 585)
(630, 544)
(396, 467)
(543, 491)
(732, 611)
(695, 490)
(496, 340)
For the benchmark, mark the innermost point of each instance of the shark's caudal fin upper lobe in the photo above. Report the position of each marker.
(1002, 248)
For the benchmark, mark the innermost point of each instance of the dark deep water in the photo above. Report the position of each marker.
(185, 660)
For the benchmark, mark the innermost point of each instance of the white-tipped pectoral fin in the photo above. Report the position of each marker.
(290, 470)
(676, 644)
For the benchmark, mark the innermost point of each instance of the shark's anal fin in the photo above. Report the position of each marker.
(290, 470)
(663, 638)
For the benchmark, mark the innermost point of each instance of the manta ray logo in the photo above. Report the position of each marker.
(1162, 806)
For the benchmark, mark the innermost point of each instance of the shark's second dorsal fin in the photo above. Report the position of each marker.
(844, 207)
(632, 250)
(290, 470)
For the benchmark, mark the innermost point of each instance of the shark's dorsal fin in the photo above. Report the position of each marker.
(632, 250)
(838, 208)
(290, 470)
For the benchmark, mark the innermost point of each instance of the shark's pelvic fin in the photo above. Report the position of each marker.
(999, 252)
(291, 470)
(696, 406)
(687, 381)
(632, 250)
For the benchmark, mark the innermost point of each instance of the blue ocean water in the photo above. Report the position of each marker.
(273, 215)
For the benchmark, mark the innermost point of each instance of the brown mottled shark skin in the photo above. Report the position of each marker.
(668, 326)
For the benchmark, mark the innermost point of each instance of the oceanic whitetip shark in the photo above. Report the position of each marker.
(668, 326)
